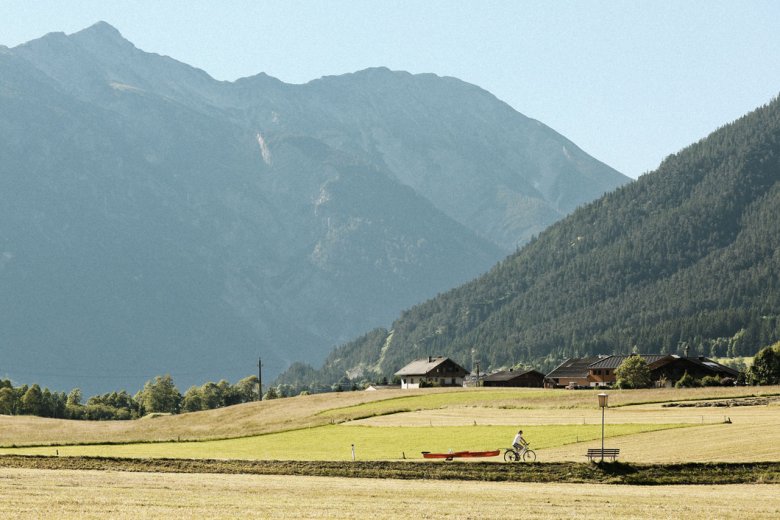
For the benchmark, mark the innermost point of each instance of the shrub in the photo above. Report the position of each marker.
(766, 366)
(710, 381)
(633, 372)
(687, 381)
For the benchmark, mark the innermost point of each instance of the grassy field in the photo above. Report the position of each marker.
(334, 442)
(234, 421)
(27, 494)
(560, 424)
(314, 435)
(317, 410)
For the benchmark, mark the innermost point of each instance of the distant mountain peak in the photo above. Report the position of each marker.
(102, 28)
(101, 33)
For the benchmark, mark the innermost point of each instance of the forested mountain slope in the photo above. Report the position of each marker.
(686, 257)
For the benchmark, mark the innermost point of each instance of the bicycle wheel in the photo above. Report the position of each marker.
(510, 456)
(529, 456)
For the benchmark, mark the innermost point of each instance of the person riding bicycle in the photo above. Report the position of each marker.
(519, 442)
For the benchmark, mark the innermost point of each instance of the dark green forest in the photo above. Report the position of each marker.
(685, 258)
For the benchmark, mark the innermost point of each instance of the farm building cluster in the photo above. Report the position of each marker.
(588, 372)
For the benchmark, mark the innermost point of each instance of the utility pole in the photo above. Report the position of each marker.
(475, 364)
(259, 379)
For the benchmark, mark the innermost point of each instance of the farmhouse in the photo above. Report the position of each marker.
(573, 372)
(433, 370)
(672, 368)
(597, 372)
(602, 372)
(515, 378)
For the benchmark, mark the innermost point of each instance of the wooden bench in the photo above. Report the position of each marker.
(595, 453)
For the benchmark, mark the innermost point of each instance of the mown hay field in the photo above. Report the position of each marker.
(27, 494)
(713, 434)
(233, 421)
(390, 425)
(398, 424)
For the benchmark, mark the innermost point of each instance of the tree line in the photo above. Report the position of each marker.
(158, 395)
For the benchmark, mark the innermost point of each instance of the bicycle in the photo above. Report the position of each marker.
(526, 454)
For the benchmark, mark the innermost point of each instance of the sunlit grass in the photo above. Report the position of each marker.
(533, 399)
(459, 397)
(335, 442)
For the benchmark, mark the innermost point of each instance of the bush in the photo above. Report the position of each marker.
(687, 381)
(710, 381)
(633, 372)
(766, 366)
(75, 412)
(102, 412)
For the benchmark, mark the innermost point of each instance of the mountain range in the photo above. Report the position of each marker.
(155, 220)
(686, 260)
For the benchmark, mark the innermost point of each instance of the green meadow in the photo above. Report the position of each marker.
(334, 442)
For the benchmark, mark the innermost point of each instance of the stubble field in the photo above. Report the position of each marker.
(97, 494)
(391, 426)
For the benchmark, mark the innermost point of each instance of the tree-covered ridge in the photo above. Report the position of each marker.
(686, 257)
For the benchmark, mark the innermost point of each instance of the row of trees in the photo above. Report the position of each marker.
(158, 395)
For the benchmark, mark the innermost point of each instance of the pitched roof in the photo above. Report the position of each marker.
(425, 365)
(572, 367)
(615, 361)
(706, 363)
(714, 365)
(508, 375)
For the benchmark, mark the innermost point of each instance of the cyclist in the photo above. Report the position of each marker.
(519, 442)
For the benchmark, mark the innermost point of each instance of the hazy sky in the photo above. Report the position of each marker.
(628, 81)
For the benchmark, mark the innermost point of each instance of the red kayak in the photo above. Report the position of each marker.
(458, 454)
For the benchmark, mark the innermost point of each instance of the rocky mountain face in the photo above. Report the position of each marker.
(154, 220)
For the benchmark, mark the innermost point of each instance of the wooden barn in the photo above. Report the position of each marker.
(572, 372)
(515, 378)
